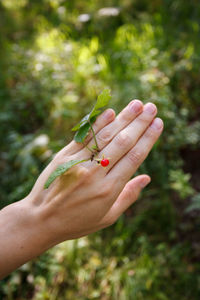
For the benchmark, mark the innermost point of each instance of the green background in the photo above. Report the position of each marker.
(54, 61)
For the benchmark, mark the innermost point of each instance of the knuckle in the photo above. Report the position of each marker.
(134, 157)
(104, 137)
(125, 115)
(122, 139)
(85, 172)
(143, 118)
(149, 133)
(130, 192)
(86, 175)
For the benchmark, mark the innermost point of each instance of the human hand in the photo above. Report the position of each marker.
(89, 197)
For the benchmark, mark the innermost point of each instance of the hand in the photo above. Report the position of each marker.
(86, 198)
(89, 197)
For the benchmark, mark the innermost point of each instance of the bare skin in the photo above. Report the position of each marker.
(88, 197)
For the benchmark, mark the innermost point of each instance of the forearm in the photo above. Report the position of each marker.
(22, 236)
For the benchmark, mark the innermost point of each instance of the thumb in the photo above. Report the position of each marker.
(128, 196)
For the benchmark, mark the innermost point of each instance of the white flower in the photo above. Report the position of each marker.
(84, 18)
(109, 11)
(41, 140)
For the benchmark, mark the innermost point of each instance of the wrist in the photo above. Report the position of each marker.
(22, 235)
(37, 224)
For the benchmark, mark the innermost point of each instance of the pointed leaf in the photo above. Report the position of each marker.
(61, 169)
(102, 101)
(81, 123)
(82, 133)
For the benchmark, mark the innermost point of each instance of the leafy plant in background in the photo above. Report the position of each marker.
(195, 203)
(82, 129)
(52, 64)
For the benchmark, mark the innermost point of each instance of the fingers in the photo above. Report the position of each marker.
(129, 136)
(126, 116)
(128, 196)
(104, 119)
(128, 165)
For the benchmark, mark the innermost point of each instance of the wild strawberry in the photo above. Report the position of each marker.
(104, 162)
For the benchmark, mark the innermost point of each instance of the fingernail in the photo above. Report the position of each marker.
(135, 106)
(108, 114)
(157, 124)
(150, 108)
(145, 181)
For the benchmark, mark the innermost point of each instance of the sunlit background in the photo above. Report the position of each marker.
(55, 58)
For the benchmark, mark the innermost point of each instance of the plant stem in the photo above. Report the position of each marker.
(89, 149)
(86, 159)
(94, 137)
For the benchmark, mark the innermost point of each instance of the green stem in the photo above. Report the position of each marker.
(89, 149)
(94, 137)
(86, 159)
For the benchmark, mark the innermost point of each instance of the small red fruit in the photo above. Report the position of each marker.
(104, 162)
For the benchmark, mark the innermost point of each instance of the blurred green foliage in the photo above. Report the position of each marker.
(55, 58)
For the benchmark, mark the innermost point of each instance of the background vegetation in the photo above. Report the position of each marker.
(55, 57)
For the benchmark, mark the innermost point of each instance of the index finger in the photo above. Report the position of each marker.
(104, 119)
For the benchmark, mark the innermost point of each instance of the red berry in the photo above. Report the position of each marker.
(104, 162)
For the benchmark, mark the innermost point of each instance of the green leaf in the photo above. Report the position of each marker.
(102, 101)
(195, 203)
(61, 169)
(83, 126)
(81, 123)
(82, 133)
